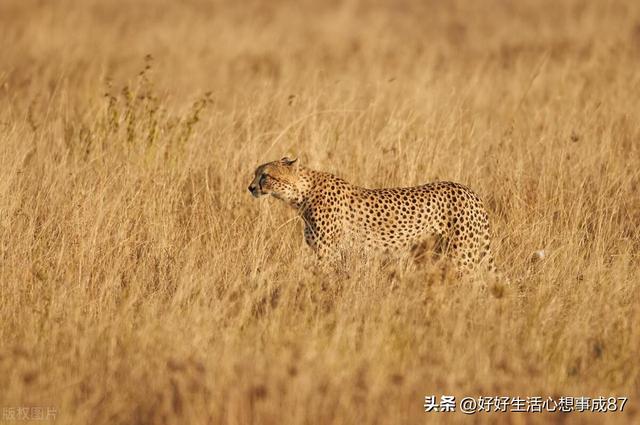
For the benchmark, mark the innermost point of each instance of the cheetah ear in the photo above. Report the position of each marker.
(288, 161)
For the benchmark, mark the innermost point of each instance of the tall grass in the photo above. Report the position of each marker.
(140, 283)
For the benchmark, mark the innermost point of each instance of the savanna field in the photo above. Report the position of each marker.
(140, 283)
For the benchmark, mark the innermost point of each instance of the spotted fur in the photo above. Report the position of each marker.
(339, 215)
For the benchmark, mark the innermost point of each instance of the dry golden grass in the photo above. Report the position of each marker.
(142, 284)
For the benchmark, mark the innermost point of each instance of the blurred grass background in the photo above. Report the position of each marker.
(140, 283)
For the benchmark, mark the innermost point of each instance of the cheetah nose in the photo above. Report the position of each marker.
(250, 189)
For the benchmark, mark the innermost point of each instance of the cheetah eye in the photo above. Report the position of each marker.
(263, 178)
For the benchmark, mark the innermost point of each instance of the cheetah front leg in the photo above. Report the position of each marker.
(324, 243)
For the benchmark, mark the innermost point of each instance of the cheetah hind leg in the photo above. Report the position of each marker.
(480, 267)
(490, 277)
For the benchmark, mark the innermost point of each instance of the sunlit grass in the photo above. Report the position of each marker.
(141, 283)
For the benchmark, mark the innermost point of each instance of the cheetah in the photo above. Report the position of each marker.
(338, 215)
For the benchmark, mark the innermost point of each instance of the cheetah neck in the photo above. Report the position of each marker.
(310, 184)
(304, 184)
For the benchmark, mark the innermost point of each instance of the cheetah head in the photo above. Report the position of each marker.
(280, 179)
